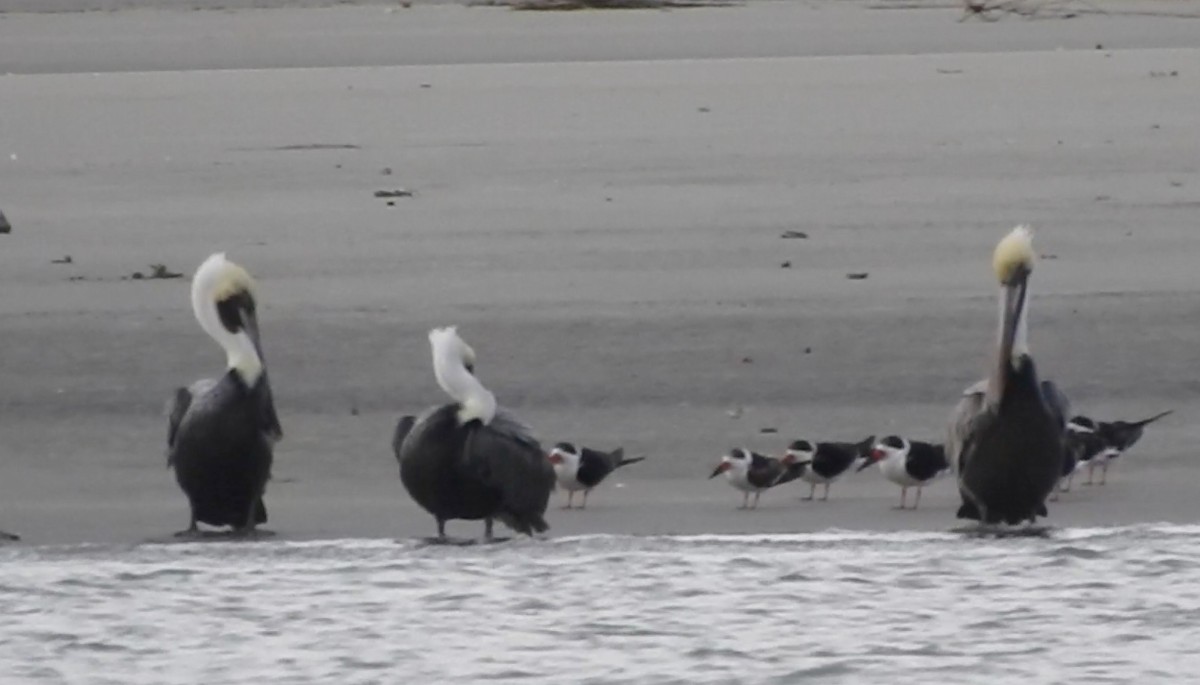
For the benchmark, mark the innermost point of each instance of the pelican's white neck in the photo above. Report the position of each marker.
(475, 401)
(211, 278)
(1020, 346)
(1021, 337)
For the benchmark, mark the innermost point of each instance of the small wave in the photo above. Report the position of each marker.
(718, 653)
(155, 574)
(804, 675)
(1074, 552)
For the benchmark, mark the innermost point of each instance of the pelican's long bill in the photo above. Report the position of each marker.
(1013, 263)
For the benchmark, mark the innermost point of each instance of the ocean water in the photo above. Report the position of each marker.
(1086, 606)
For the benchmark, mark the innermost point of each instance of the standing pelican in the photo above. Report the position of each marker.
(1007, 436)
(469, 459)
(222, 431)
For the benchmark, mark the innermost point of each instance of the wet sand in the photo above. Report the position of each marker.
(605, 232)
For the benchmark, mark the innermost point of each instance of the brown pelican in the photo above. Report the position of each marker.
(1007, 436)
(580, 468)
(222, 431)
(752, 473)
(468, 459)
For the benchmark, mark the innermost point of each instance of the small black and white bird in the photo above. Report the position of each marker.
(909, 464)
(1084, 448)
(824, 462)
(580, 468)
(752, 473)
(1119, 436)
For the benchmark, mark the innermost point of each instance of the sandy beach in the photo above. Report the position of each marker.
(598, 203)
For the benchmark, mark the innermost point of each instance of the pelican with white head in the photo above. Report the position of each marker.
(454, 367)
(470, 459)
(224, 302)
(221, 431)
(1007, 438)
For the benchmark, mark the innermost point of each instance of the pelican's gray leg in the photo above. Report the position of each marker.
(918, 502)
(1104, 473)
(812, 492)
(192, 530)
(585, 494)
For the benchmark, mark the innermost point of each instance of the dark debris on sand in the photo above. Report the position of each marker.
(399, 192)
(158, 272)
(5, 227)
(568, 5)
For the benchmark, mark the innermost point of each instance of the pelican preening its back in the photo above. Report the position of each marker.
(221, 432)
(469, 459)
(1007, 436)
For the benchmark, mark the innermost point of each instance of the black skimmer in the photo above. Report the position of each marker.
(824, 462)
(221, 432)
(752, 473)
(909, 464)
(1119, 436)
(469, 459)
(1084, 447)
(1007, 438)
(581, 468)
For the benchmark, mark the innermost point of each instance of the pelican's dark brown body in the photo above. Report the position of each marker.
(1013, 457)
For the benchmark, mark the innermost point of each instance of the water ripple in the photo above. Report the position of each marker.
(829, 607)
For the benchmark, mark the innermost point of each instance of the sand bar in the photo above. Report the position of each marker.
(607, 235)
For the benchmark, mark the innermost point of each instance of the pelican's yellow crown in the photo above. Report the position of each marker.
(222, 279)
(1012, 252)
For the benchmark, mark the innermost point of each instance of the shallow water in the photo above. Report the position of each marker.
(1097, 605)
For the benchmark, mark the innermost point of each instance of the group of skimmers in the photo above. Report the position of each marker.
(1011, 444)
(1089, 446)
